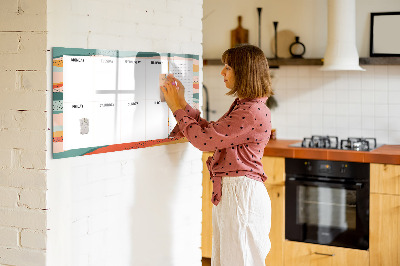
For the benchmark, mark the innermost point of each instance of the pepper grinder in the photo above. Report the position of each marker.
(276, 39)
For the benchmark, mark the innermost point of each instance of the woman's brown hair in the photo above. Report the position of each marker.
(250, 66)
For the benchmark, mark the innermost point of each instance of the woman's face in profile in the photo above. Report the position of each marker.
(229, 76)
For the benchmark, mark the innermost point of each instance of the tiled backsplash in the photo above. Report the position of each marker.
(342, 103)
(314, 102)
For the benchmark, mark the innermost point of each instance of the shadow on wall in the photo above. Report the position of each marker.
(153, 223)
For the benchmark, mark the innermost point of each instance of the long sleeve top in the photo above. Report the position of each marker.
(238, 139)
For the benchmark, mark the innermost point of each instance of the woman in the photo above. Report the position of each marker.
(242, 208)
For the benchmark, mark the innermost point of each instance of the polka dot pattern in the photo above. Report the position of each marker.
(58, 105)
(238, 139)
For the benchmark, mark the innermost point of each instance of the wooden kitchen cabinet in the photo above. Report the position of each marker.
(305, 254)
(206, 225)
(384, 237)
(385, 178)
(277, 233)
(274, 168)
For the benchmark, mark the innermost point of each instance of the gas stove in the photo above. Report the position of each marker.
(332, 142)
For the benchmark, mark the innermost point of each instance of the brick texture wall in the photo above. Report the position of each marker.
(137, 207)
(23, 128)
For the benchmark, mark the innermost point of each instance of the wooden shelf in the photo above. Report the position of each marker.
(380, 61)
(273, 63)
(212, 62)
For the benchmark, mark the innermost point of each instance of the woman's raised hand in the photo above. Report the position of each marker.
(181, 90)
(172, 95)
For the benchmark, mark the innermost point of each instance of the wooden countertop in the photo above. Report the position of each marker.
(389, 154)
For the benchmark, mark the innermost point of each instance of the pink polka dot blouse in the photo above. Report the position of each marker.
(238, 139)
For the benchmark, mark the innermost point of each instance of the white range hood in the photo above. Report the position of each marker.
(341, 51)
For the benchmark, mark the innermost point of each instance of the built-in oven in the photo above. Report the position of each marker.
(327, 202)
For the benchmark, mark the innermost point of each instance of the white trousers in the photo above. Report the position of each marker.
(241, 223)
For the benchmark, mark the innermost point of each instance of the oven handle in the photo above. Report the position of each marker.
(357, 185)
(324, 254)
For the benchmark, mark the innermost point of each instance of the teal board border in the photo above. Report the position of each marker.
(57, 99)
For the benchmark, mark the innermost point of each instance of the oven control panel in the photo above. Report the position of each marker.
(337, 169)
(325, 167)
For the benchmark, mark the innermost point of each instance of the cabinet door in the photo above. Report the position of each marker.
(206, 232)
(304, 254)
(277, 233)
(385, 178)
(384, 229)
(274, 168)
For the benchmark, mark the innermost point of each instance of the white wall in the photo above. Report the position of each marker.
(304, 18)
(311, 102)
(136, 207)
(23, 133)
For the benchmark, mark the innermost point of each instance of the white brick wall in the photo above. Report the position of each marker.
(23, 178)
(9, 237)
(100, 207)
(137, 207)
(24, 256)
(23, 132)
(9, 197)
(34, 239)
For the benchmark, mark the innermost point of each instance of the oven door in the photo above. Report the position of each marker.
(327, 213)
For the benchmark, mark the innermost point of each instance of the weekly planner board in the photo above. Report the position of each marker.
(110, 100)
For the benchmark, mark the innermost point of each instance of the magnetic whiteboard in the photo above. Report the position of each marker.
(110, 100)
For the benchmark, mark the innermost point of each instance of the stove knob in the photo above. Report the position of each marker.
(308, 166)
(343, 168)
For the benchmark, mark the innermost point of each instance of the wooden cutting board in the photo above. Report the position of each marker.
(239, 35)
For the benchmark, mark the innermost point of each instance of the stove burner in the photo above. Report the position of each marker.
(332, 142)
(358, 144)
(328, 142)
